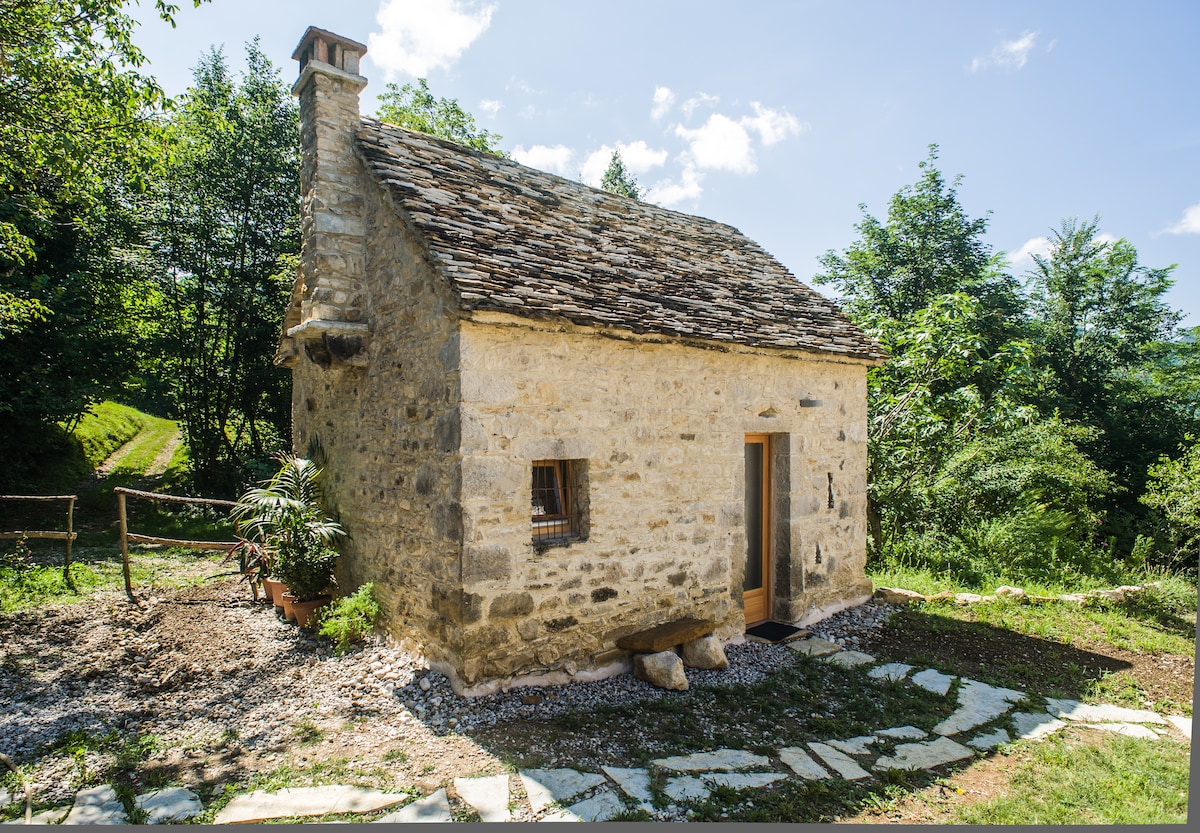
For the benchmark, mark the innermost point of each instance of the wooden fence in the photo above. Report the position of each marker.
(52, 534)
(127, 537)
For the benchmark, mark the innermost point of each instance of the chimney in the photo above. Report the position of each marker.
(327, 317)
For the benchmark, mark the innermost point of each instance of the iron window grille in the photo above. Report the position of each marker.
(556, 517)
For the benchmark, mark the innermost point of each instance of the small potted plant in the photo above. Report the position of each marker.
(284, 514)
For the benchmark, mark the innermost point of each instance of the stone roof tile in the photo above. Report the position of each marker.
(514, 239)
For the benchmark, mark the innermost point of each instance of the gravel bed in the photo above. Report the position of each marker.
(193, 669)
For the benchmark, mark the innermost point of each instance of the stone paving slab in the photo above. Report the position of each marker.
(722, 759)
(45, 817)
(902, 733)
(849, 659)
(932, 681)
(696, 787)
(432, 809)
(924, 755)
(802, 764)
(634, 781)
(854, 746)
(1084, 712)
(1183, 724)
(171, 804)
(304, 801)
(978, 703)
(545, 786)
(839, 762)
(1032, 725)
(893, 671)
(489, 796)
(602, 806)
(1129, 730)
(97, 805)
(990, 740)
(814, 646)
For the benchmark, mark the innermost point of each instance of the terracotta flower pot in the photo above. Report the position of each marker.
(274, 588)
(307, 613)
(289, 611)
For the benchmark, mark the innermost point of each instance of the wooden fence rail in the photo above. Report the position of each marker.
(127, 536)
(48, 534)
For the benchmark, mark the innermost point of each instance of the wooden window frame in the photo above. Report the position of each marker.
(559, 527)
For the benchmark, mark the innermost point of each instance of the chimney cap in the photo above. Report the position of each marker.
(303, 52)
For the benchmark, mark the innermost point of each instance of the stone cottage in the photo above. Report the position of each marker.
(550, 416)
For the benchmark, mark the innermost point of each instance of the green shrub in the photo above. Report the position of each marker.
(350, 618)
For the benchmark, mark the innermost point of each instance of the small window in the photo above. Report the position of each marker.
(557, 501)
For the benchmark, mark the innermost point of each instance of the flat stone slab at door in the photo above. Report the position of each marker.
(902, 733)
(602, 806)
(1034, 725)
(839, 762)
(634, 781)
(489, 796)
(667, 635)
(1183, 724)
(854, 746)
(172, 804)
(697, 787)
(990, 740)
(545, 786)
(98, 805)
(849, 659)
(800, 763)
(304, 801)
(432, 809)
(925, 755)
(814, 646)
(1085, 712)
(719, 759)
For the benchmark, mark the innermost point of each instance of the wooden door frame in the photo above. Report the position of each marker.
(767, 539)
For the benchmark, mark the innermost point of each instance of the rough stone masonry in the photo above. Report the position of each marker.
(459, 320)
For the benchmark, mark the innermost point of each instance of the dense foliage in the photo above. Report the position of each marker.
(416, 108)
(1013, 425)
(619, 180)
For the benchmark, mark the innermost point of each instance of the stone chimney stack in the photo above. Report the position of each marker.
(327, 319)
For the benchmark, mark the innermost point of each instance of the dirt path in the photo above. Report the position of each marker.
(158, 466)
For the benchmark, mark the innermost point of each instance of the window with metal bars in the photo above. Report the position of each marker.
(556, 502)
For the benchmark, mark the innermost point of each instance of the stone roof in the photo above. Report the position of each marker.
(518, 240)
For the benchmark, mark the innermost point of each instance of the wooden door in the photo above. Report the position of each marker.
(756, 588)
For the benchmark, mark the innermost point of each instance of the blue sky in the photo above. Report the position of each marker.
(780, 118)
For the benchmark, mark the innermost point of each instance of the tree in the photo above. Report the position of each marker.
(1174, 492)
(618, 180)
(224, 238)
(417, 109)
(928, 247)
(1105, 340)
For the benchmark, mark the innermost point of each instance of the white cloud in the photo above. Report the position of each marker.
(721, 144)
(699, 99)
(1105, 237)
(638, 157)
(1189, 223)
(667, 192)
(490, 106)
(1010, 54)
(664, 100)
(556, 158)
(415, 38)
(1023, 257)
(771, 125)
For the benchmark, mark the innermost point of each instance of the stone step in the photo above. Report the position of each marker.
(664, 636)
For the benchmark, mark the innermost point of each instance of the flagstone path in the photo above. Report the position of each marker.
(984, 718)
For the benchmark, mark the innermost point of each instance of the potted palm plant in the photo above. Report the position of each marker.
(285, 517)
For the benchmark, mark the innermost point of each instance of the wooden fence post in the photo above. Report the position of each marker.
(70, 535)
(124, 546)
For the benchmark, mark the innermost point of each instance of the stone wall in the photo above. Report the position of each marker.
(661, 426)
(388, 435)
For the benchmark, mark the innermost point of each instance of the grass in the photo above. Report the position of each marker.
(33, 578)
(1116, 780)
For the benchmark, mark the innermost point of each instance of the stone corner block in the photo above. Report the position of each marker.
(663, 669)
